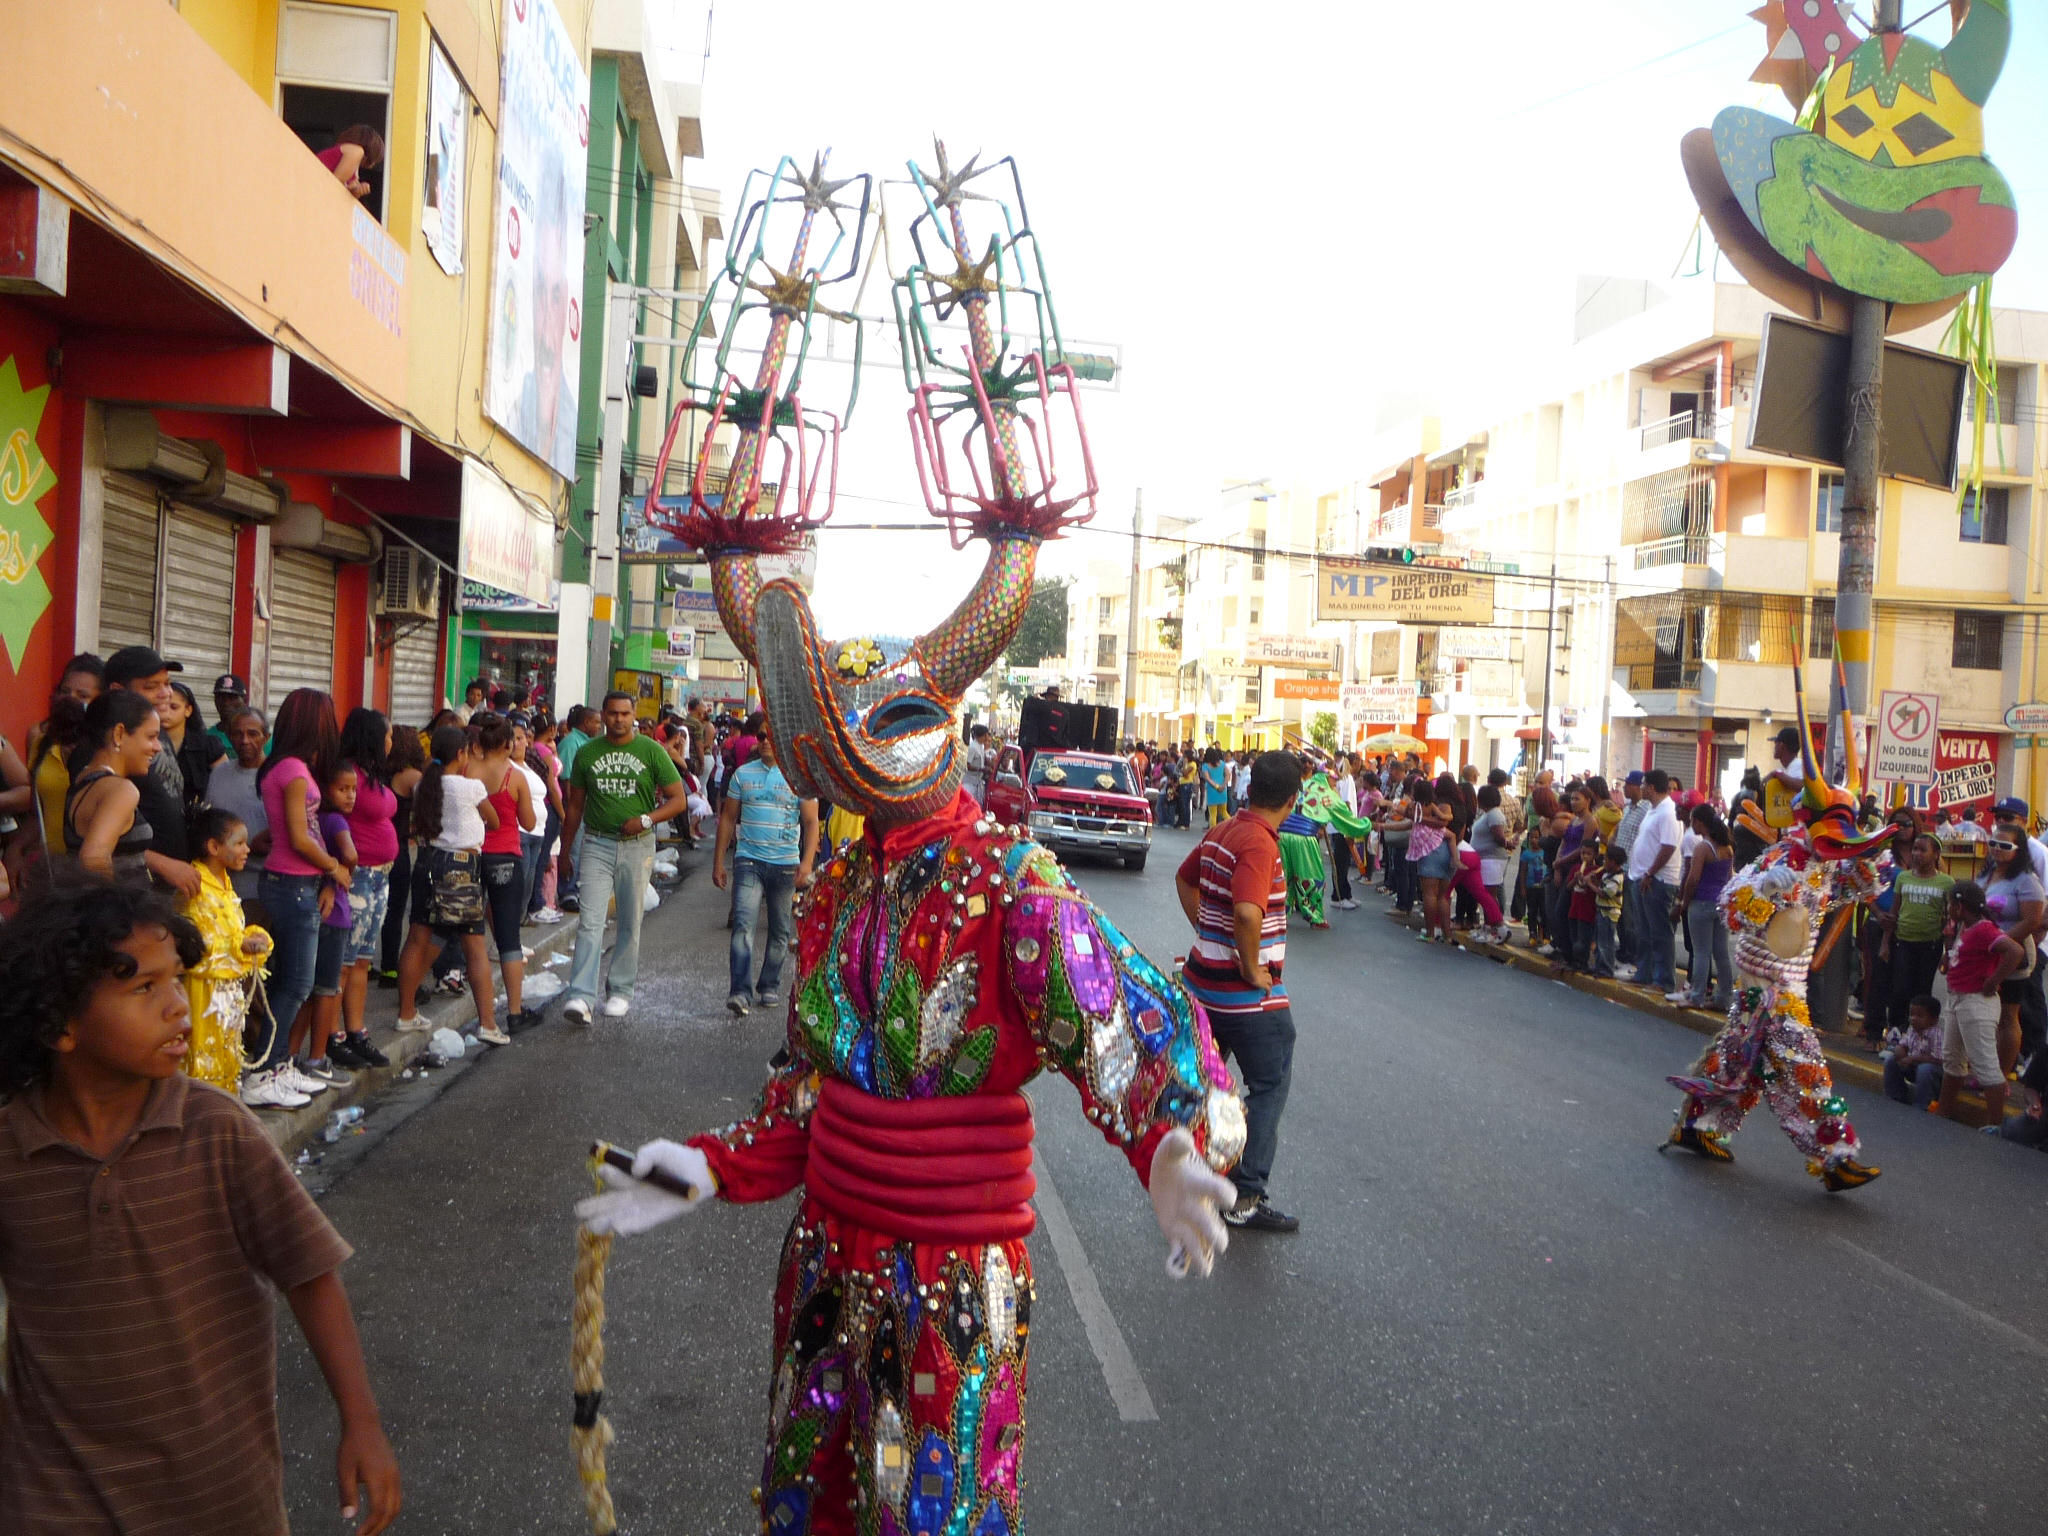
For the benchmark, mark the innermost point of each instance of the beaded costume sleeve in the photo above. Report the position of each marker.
(762, 1157)
(1105, 1017)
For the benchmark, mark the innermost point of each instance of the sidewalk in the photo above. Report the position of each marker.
(295, 1129)
(1847, 1061)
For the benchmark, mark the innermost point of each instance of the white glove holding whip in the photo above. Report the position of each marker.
(630, 1204)
(1189, 1199)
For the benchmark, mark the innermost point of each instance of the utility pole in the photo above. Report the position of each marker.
(1131, 622)
(1855, 571)
(604, 502)
(1549, 636)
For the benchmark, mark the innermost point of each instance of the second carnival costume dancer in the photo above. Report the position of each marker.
(943, 961)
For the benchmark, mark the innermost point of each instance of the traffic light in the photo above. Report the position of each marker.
(1391, 555)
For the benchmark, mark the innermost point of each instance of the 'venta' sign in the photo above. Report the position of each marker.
(1416, 594)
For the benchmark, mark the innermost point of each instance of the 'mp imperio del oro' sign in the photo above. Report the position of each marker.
(1413, 594)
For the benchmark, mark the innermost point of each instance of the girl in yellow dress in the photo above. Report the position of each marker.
(218, 986)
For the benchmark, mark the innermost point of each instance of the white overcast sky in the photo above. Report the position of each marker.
(1286, 214)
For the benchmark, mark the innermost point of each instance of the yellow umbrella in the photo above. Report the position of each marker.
(1393, 741)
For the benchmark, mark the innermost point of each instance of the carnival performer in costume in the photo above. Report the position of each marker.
(1773, 909)
(942, 962)
(218, 988)
(1301, 843)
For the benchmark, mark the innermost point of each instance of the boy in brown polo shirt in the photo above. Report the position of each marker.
(144, 1218)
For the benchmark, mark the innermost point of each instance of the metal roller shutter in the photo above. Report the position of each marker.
(1676, 758)
(129, 517)
(301, 623)
(198, 592)
(415, 673)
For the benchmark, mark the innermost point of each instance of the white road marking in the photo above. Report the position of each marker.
(1119, 1371)
(1999, 1326)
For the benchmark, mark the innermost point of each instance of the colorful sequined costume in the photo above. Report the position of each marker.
(941, 966)
(1301, 857)
(1773, 909)
(1768, 1048)
(942, 961)
(218, 988)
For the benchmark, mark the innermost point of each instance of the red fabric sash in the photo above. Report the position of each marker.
(946, 1170)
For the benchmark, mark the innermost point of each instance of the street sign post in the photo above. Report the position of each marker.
(1908, 726)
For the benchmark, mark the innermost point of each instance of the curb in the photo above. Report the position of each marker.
(293, 1130)
(1844, 1063)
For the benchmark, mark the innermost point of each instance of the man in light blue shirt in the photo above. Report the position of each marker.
(773, 836)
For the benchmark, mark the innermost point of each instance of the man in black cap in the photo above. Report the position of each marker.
(230, 697)
(1786, 782)
(139, 669)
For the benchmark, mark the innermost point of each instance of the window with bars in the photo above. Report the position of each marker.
(1105, 650)
(1755, 627)
(1659, 641)
(1104, 606)
(1820, 633)
(1984, 515)
(2008, 402)
(1251, 691)
(1258, 537)
(1979, 642)
(1827, 505)
(1669, 517)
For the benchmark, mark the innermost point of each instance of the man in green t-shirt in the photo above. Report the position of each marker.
(1913, 940)
(621, 787)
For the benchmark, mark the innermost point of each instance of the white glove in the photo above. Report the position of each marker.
(1189, 1199)
(629, 1205)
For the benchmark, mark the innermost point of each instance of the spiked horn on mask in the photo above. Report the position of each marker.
(868, 731)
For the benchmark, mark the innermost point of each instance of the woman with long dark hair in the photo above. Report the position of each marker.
(1707, 873)
(194, 748)
(366, 746)
(305, 746)
(451, 813)
(2015, 900)
(402, 770)
(51, 743)
(103, 825)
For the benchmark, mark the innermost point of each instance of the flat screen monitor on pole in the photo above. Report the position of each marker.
(1800, 407)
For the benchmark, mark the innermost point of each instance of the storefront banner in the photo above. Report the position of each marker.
(537, 271)
(479, 598)
(682, 643)
(1292, 651)
(1368, 590)
(447, 161)
(1158, 663)
(693, 605)
(1490, 684)
(1321, 690)
(1380, 703)
(504, 543)
(1472, 645)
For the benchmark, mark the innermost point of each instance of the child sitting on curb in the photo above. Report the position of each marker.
(1912, 1067)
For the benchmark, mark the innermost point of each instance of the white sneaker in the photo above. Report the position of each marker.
(548, 916)
(1678, 997)
(616, 1007)
(526, 951)
(1348, 904)
(415, 1026)
(262, 1090)
(1625, 972)
(577, 1010)
(300, 1082)
(490, 1034)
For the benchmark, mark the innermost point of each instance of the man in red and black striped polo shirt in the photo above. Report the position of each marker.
(1235, 894)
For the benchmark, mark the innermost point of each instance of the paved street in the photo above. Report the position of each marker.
(1504, 1311)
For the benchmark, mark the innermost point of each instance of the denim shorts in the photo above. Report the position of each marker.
(1437, 864)
(369, 898)
(327, 962)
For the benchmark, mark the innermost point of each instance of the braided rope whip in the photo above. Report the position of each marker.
(591, 1431)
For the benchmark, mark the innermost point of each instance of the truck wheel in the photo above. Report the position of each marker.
(1134, 860)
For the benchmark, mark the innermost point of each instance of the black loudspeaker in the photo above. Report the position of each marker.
(1042, 723)
(1106, 721)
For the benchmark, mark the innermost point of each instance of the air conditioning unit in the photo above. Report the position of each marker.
(409, 584)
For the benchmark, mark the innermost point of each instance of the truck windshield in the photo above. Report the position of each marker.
(1108, 775)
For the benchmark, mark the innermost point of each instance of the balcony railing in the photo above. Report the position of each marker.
(1388, 523)
(1432, 514)
(1668, 519)
(1684, 549)
(1677, 429)
(1462, 497)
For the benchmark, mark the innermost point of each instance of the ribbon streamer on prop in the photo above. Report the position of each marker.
(591, 1431)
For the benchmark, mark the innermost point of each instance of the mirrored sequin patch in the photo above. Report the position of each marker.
(892, 1456)
(1226, 1127)
(1115, 1055)
(946, 1007)
(1000, 1287)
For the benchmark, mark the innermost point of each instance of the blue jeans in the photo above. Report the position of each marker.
(293, 902)
(531, 846)
(751, 881)
(1710, 946)
(1263, 1044)
(607, 868)
(1918, 1088)
(1606, 940)
(1656, 946)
